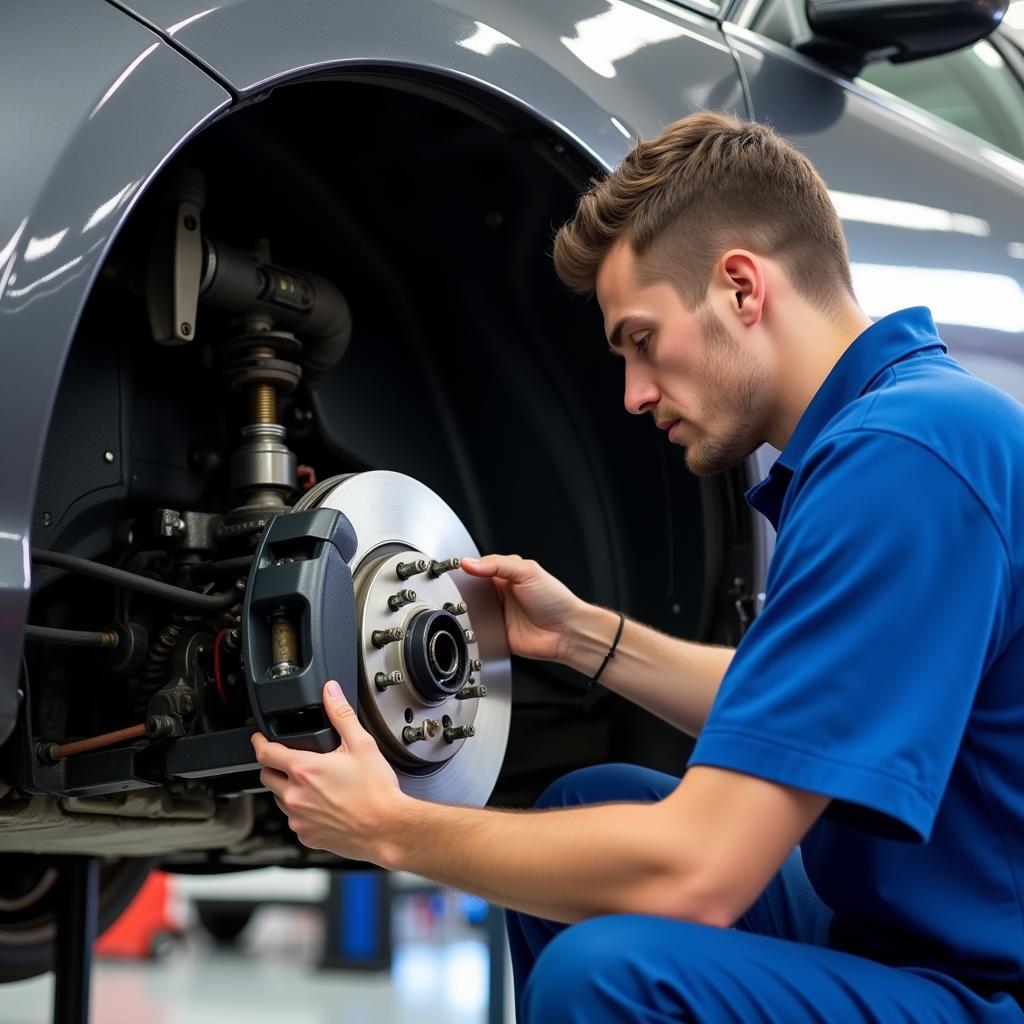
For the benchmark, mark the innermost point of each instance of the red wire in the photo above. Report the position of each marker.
(218, 680)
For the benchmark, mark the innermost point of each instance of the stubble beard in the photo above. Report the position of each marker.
(731, 382)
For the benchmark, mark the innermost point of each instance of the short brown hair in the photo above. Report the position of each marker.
(709, 182)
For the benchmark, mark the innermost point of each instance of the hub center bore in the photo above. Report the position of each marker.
(443, 654)
(436, 655)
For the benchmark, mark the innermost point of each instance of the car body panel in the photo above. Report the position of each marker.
(100, 124)
(939, 227)
(116, 113)
(595, 72)
(574, 65)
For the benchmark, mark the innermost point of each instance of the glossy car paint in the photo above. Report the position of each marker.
(595, 87)
(596, 72)
(575, 65)
(95, 103)
(932, 215)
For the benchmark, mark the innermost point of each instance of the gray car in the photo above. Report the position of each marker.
(281, 340)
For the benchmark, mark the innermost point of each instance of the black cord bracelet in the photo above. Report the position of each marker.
(611, 650)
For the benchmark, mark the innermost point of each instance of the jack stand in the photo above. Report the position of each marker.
(77, 897)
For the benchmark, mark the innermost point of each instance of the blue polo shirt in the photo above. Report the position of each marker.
(886, 669)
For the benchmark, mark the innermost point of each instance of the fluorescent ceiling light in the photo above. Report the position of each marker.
(964, 297)
(616, 33)
(900, 214)
(485, 40)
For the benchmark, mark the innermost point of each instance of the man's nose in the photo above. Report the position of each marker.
(641, 395)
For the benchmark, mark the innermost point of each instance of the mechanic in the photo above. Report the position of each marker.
(872, 714)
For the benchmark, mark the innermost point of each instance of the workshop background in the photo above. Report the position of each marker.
(275, 279)
(303, 946)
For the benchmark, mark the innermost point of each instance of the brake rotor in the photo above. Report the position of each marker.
(434, 672)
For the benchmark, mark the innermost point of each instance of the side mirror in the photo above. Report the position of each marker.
(847, 34)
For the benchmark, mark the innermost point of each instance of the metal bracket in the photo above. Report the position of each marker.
(176, 262)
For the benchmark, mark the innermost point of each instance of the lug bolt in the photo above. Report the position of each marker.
(476, 664)
(407, 569)
(470, 636)
(386, 679)
(427, 731)
(440, 568)
(395, 601)
(455, 609)
(471, 691)
(459, 732)
(383, 637)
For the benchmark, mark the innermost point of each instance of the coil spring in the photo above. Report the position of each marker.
(155, 666)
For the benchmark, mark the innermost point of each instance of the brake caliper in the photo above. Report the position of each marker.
(299, 626)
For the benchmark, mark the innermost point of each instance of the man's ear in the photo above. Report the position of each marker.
(741, 272)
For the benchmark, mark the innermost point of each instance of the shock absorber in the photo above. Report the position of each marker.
(261, 362)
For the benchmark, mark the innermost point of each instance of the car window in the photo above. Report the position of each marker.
(973, 88)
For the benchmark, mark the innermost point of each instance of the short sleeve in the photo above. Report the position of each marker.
(885, 603)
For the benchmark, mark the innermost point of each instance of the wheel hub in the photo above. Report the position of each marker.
(433, 664)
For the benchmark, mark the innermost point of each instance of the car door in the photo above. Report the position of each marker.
(923, 163)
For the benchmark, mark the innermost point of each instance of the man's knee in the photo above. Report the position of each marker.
(559, 985)
(594, 969)
(598, 969)
(604, 783)
(568, 790)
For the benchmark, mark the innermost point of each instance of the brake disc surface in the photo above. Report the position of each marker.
(434, 677)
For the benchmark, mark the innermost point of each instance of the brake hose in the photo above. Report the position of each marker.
(143, 584)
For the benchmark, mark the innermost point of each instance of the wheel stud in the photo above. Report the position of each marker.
(455, 609)
(459, 732)
(386, 679)
(383, 637)
(470, 636)
(471, 691)
(439, 568)
(407, 569)
(427, 731)
(395, 601)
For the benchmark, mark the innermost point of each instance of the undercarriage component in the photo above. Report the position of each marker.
(186, 268)
(263, 470)
(139, 824)
(443, 731)
(142, 584)
(55, 752)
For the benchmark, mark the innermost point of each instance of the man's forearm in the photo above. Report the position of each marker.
(562, 865)
(672, 678)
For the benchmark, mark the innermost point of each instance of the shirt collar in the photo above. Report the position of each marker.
(874, 350)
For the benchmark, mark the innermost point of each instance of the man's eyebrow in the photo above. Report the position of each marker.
(615, 336)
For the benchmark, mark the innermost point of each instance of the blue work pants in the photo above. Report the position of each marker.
(774, 967)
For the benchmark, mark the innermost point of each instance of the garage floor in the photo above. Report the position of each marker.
(272, 977)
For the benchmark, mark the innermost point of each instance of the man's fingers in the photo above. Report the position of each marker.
(341, 715)
(506, 567)
(273, 755)
(273, 780)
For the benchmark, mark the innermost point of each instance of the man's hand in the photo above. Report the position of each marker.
(342, 801)
(539, 609)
